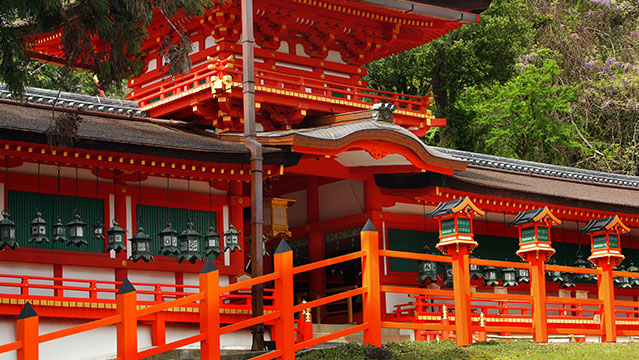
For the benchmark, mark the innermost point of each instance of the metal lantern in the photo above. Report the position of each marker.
(509, 277)
(38, 229)
(59, 231)
(141, 246)
(634, 269)
(231, 239)
(76, 230)
(427, 272)
(622, 282)
(582, 264)
(7, 231)
(98, 230)
(117, 237)
(212, 243)
(523, 276)
(554, 276)
(475, 271)
(566, 280)
(448, 277)
(189, 244)
(490, 276)
(169, 241)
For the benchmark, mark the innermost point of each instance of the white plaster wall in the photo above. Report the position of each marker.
(16, 268)
(297, 213)
(86, 273)
(341, 198)
(150, 277)
(7, 335)
(194, 279)
(393, 299)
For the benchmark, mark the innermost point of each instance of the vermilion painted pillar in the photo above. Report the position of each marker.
(538, 293)
(315, 239)
(461, 290)
(210, 311)
(27, 333)
(127, 328)
(284, 301)
(607, 296)
(372, 310)
(373, 208)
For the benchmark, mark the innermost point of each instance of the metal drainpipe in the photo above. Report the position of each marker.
(255, 149)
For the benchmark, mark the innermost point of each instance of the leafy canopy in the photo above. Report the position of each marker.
(119, 24)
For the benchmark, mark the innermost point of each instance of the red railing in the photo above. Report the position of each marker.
(271, 81)
(490, 313)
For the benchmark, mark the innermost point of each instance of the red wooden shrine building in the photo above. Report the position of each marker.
(168, 164)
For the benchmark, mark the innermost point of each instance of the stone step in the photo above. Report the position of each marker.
(331, 328)
(388, 335)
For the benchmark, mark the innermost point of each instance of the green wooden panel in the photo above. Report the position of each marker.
(496, 247)
(23, 207)
(448, 226)
(599, 242)
(542, 233)
(528, 235)
(463, 226)
(613, 240)
(410, 241)
(154, 219)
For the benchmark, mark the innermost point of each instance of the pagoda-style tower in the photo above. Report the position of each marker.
(308, 61)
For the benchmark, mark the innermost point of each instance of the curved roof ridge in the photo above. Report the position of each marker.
(537, 168)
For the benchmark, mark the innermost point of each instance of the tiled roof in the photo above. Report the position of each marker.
(535, 168)
(445, 208)
(77, 101)
(525, 217)
(598, 224)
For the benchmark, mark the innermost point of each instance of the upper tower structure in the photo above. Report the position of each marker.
(309, 60)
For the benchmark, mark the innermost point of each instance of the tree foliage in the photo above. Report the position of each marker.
(119, 24)
(586, 95)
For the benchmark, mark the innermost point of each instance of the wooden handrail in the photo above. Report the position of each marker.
(414, 256)
(328, 262)
(80, 328)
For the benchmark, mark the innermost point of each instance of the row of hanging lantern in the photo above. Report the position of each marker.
(188, 240)
(38, 225)
(185, 245)
(534, 237)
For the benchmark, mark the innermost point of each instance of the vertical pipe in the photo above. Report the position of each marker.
(255, 148)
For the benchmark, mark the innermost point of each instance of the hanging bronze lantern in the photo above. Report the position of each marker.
(490, 276)
(509, 277)
(169, 241)
(566, 280)
(98, 230)
(38, 229)
(582, 264)
(622, 282)
(76, 230)
(474, 270)
(7, 231)
(189, 244)
(634, 269)
(523, 276)
(231, 239)
(117, 238)
(141, 246)
(554, 275)
(59, 231)
(448, 277)
(212, 243)
(427, 270)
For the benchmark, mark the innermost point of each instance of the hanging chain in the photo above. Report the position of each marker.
(505, 225)
(115, 195)
(168, 200)
(77, 200)
(139, 199)
(59, 196)
(39, 194)
(188, 196)
(578, 238)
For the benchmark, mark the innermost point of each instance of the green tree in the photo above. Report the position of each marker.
(119, 24)
(521, 118)
(475, 54)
